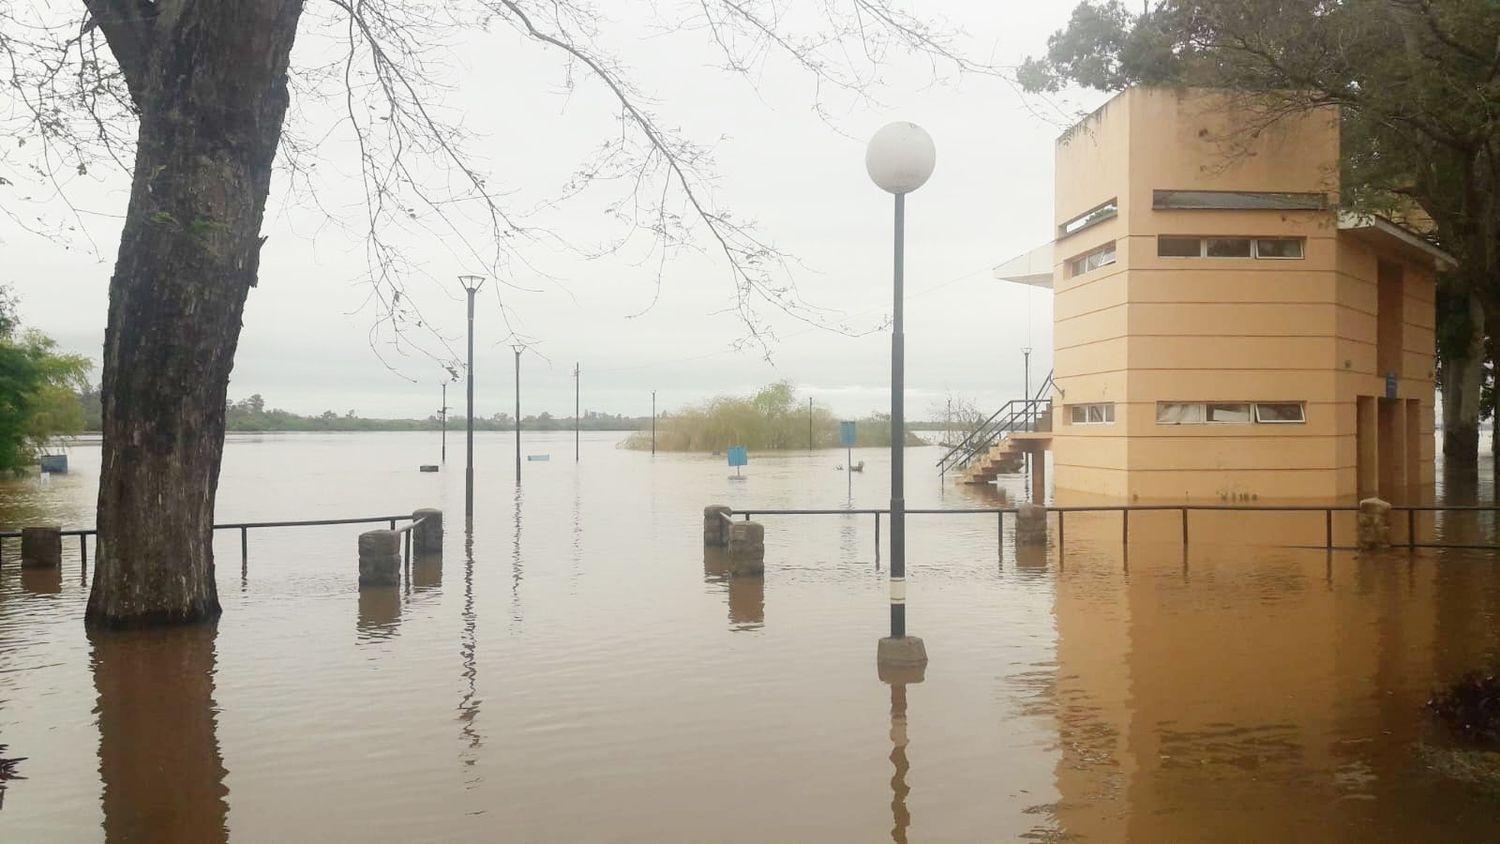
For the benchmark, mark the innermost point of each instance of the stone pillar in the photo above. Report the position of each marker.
(427, 537)
(41, 547)
(715, 528)
(1374, 525)
(380, 558)
(1031, 525)
(747, 549)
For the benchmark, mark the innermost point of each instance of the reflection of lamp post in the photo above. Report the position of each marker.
(899, 159)
(900, 814)
(518, 348)
(471, 285)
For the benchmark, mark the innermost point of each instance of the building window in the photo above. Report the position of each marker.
(1266, 248)
(1285, 248)
(1102, 413)
(1091, 217)
(1280, 413)
(1230, 413)
(1092, 260)
(1228, 200)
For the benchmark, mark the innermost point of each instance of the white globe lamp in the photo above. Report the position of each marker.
(900, 157)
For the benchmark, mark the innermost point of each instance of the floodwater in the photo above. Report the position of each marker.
(588, 673)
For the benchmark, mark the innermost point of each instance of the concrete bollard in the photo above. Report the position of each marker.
(427, 537)
(1374, 525)
(41, 547)
(747, 549)
(715, 528)
(1031, 525)
(379, 558)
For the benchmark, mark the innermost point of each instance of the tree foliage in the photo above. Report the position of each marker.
(38, 391)
(774, 418)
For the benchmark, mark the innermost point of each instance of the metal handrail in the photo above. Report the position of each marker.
(1126, 509)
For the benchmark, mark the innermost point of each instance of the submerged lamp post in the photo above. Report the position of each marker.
(471, 285)
(899, 159)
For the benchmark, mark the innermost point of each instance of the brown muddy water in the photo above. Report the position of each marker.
(586, 674)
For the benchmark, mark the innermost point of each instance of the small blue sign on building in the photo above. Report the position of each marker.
(1390, 385)
(846, 434)
(738, 456)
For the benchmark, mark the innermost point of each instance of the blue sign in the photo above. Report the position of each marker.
(738, 456)
(1390, 385)
(846, 433)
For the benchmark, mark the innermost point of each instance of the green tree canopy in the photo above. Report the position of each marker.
(39, 390)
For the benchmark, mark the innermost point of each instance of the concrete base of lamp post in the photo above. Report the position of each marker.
(902, 660)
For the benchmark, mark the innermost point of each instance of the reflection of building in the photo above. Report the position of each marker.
(1221, 329)
(1276, 701)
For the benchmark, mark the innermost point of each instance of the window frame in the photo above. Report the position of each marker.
(1079, 264)
(1301, 413)
(1106, 210)
(1254, 241)
(1106, 411)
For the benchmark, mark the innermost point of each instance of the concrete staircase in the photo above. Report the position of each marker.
(1005, 456)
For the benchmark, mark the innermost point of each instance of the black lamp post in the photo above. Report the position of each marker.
(518, 348)
(471, 284)
(899, 159)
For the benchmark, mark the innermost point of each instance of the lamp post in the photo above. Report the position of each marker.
(443, 416)
(576, 389)
(899, 159)
(471, 284)
(653, 423)
(518, 348)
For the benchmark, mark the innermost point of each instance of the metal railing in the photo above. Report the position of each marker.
(1411, 511)
(244, 528)
(1015, 415)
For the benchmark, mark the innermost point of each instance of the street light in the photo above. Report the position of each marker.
(471, 285)
(899, 159)
(518, 348)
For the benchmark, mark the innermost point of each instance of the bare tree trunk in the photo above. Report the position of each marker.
(209, 81)
(1463, 373)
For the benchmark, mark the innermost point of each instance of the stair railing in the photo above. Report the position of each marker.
(1015, 415)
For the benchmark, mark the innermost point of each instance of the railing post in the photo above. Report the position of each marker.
(1060, 533)
(1000, 532)
(1184, 527)
(877, 535)
(1125, 527)
(244, 545)
(83, 548)
(1411, 528)
(1328, 529)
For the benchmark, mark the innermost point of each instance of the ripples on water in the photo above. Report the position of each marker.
(588, 673)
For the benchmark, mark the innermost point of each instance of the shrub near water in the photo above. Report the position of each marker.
(772, 419)
(1471, 708)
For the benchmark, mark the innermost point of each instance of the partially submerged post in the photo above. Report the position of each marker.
(380, 558)
(41, 547)
(747, 549)
(427, 534)
(1031, 525)
(1374, 525)
(716, 526)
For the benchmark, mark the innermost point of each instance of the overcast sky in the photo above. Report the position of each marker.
(305, 345)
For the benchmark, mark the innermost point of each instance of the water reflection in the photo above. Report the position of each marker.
(468, 705)
(42, 580)
(158, 746)
(427, 572)
(379, 612)
(517, 567)
(900, 815)
(747, 603)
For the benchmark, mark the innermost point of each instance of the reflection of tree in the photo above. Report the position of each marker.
(158, 746)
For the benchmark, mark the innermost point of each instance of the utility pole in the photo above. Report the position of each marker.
(653, 423)
(809, 423)
(518, 348)
(576, 376)
(471, 285)
(443, 416)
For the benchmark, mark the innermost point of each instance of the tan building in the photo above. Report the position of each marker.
(1222, 331)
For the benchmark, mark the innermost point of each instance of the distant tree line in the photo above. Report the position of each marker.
(251, 414)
